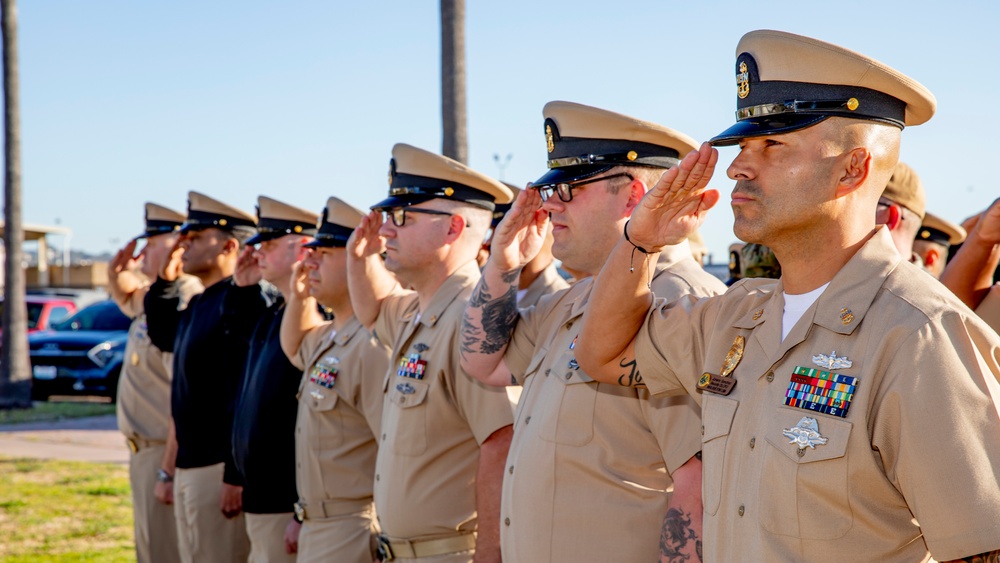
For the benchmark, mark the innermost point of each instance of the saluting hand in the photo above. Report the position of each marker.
(122, 267)
(365, 240)
(300, 281)
(676, 206)
(173, 267)
(988, 227)
(520, 235)
(247, 273)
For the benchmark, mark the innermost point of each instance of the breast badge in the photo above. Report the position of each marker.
(821, 391)
(405, 388)
(420, 347)
(805, 434)
(832, 361)
(722, 384)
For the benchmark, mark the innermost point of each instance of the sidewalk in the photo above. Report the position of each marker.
(76, 439)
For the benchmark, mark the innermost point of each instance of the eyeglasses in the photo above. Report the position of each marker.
(565, 190)
(398, 214)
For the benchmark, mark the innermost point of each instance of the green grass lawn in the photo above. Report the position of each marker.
(64, 511)
(46, 411)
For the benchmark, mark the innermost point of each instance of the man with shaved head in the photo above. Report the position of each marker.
(849, 409)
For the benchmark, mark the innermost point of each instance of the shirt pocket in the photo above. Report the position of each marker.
(806, 496)
(717, 415)
(325, 421)
(409, 398)
(574, 397)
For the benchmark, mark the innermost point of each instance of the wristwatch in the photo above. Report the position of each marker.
(163, 477)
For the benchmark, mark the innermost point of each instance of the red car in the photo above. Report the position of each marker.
(44, 310)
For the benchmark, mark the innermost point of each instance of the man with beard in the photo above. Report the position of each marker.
(849, 409)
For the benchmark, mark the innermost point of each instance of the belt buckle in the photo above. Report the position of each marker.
(385, 549)
(133, 446)
(300, 512)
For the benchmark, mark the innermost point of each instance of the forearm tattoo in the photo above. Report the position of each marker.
(675, 535)
(631, 376)
(498, 317)
(990, 557)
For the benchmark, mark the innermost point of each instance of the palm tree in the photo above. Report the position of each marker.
(455, 143)
(15, 370)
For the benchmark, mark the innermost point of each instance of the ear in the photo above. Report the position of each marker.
(856, 170)
(931, 257)
(636, 190)
(231, 246)
(456, 227)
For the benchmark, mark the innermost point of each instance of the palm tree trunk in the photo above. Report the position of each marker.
(15, 368)
(455, 143)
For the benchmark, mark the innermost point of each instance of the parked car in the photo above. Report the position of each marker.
(81, 355)
(44, 310)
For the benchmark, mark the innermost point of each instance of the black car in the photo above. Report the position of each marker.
(81, 355)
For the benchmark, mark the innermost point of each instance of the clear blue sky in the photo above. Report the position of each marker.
(125, 102)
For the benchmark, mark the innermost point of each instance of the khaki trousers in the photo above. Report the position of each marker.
(204, 534)
(267, 537)
(348, 538)
(460, 557)
(155, 526)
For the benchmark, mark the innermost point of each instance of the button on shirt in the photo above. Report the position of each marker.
(339, 417)
(435, 416)
(919, 443)
(264, 421)
(581, 446)
(209, 340)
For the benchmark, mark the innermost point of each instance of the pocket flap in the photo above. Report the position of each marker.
(717, 415)
(836, 433)
(408, 393)
(320, 399)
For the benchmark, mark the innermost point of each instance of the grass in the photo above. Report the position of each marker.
(43, 411)
(56, 511)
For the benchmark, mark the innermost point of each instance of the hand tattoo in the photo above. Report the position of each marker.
(675, 535)
(990, 557)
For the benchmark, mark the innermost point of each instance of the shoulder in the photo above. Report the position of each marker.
(686, 277)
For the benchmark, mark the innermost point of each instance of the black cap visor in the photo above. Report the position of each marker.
(767, 126)
(569, 174)
(401, 201)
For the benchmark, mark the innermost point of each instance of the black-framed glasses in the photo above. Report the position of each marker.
(565, 190)
(398, 214)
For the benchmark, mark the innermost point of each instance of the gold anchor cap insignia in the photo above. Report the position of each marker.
(743, 82)
(549, 141)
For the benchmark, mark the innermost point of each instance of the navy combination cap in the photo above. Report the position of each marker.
(276, 219)
(786, 82)
(416, 176)
(160, 220)
(205, 212)
(584, 141)
(338, 222)
(941, 231)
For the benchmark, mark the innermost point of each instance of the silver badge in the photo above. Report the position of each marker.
(832, 361)
(420, 347)
(331, 360)
(405, 388)
(316, 395)
(805, 433)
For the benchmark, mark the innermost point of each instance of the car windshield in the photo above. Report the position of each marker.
(100, 316)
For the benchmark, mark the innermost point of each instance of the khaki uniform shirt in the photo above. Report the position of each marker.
(914, 450)
(989, 308)
(435, 416)
(581, 446)
(340, 412)
(144, 384)
(547, 282)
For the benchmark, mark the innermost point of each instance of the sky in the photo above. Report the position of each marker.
(124, 102)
